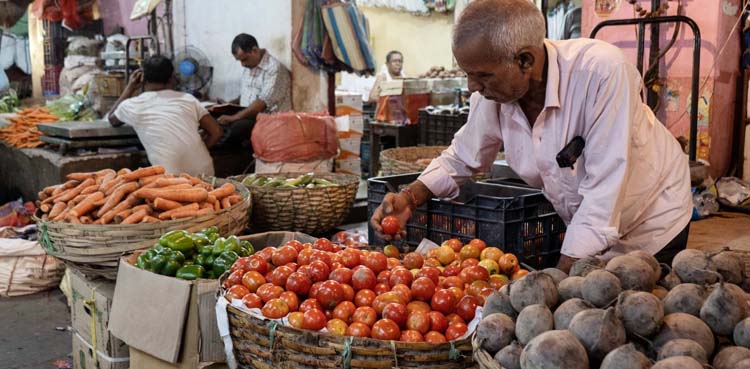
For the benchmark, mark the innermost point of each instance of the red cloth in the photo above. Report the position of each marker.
(294, 137)
(66, 11)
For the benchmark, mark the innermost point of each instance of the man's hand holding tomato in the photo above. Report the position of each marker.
(399, 206)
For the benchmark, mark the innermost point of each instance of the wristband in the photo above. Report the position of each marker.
(411, 197)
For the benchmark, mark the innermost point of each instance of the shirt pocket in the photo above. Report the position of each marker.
(569, 179)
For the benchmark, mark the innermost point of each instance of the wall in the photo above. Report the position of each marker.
(715, 18)
(116, 13)
(424, 40)
(211, 25)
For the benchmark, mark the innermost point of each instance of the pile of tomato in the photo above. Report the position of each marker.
(373, 294)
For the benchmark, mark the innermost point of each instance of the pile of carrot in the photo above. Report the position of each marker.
(128, 197)
(22, 131)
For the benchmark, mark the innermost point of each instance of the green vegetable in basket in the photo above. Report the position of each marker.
(248, 247)
(219, 246)
(206, 250)
(190, 272)
(224, 262)
(158, 262)
(177, 256)
(200, 239)
(178, 240)
(232, 243)
(200, 259)
(143, 261)
(171, 268)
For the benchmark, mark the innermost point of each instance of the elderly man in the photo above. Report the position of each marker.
(392, 69)
(627, 189)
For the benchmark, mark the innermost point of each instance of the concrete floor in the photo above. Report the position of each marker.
(721, 230)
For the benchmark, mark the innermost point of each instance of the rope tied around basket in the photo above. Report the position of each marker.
(454, 354)
(395, 356)
(346, 355)
(45, 240)
(271, 334)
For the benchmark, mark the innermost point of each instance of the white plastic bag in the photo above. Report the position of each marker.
(7, 51)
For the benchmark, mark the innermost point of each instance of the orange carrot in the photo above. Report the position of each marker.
(86, 220)
(144, 172)
(122, 215)
(207, 205)
(163, 204)
(106, 172)
(150, 179)
(72, 220)
(99, 203)
(49, 189)
(149, 219)
(135, 217)
(123, 171)
(117, 195)
(86, 205)
(45, 208)
(190, 178)
(90, 189)
(235, 199)
(75, 191)
(57, 209)
(191, 213)
(129, 202)
(187, 195)
(225, 204)
(71, 184)
(140, 207)
(111, 186)
(81, 176)
(167, 214)
(183, 186)
(165, 182)
(225, 190)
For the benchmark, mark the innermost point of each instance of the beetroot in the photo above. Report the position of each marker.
(625, 357)
(570, 288)
(499, 303)
(681, 325)
(670, 280)
(641, 312)
(532, 321)
(495, 332)
(556, 274)
(568, 309)
(728, 357)
(554, 349)
(694, 266)
(724, 308)
(582, 267)
(677, 362)
(683, 347)
(741, 334)
(651, 261)
(599, 331)
(686, 298)
(510, 356)
(535, 288)
(600, 288)
(634, 273)
(729, 265)
(744, 364)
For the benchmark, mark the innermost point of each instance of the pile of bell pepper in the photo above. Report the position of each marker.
(191, 256)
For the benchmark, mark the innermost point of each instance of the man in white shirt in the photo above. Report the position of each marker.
(629, 188)
(393, 68)
(167, 121)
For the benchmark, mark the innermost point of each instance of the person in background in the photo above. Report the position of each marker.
(167, 121)
(623, 183)
(265, 88)
(393, 68)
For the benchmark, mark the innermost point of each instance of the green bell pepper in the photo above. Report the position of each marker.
(143, 261)
(158, 262)
(200, 239)
(171, 268)
(210, 230)
(200, 259)
(209, 261)
(171, 235)
(205, 250)
(224, 262)
(219, 246)
(232, 243)
(190, 272)
(249, 249)
(176, 256)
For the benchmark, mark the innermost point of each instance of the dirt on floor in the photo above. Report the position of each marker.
(721, 230)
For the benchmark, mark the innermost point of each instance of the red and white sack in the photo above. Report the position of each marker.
(294, 137)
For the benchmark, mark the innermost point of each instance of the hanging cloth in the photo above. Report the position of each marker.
(349, 33)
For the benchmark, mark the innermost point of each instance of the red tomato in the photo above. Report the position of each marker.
(323, 244)
(291, 300)
(234, 278)
(257, 263)
(422, 289)
(434, 337)
(475, 273)
(275, 309)
(323, 256)
(382, 300)
(386, 329)
(418, 306)
(455, 331)
(237, 291)
(396, 312)
(313, 320)
(341, 275)
(365, 315)
(340, 236)
(377, 261)
(252, 300)
(363, 278)
(284, 255)
(454, 319)
(240, 264)
(358, 329)
(350, 257)
(403, 291)
(479, 244)
(431, 273)
(401, 276)
(438, 322)
(310, 304)
(294, 266)
(252, 280)
(314, 290)
(266, 253)
(457, 292)
(319, 271)
(454, 281)
(298, 283)
(330, 294)
(304, 257)
(455, 244)
(382, 288)
(413, 260)
(418, 321)
(393, 263)
(411, 336)
(469, 262)
(337, 327)
(484, 294)
(296, 244)
(452, 270)
(384, 276)
(269, 291)
(443, 301)
(344, 311)
(466, 307)
(477, 286)
(280, 275)
(295, 319)
(390, 225)
(391, 251)
(364, 298)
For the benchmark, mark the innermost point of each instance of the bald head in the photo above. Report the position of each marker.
(503, 26)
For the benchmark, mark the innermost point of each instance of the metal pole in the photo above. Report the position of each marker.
(652, 98)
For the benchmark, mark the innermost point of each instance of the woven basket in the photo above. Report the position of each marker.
(308, 210)
(264, 344)
(402, 160)
(483, 359)
(95, 249)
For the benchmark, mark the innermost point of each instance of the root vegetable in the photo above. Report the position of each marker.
(634, 273)
(670, 280)
(625, 357)
(694, 266)
(495, 332)
(741, 334)
(678, 362)
(641, 312)
(136, 217)
(535, 288)
(116, 197)
(499, 302)
(660, 292)
(556, 274)
(186, 195)
(651, 261)
(163, 204)
(510, 356)
(728, 357)
(686, 298)
(744, 364)
(81, 176)
(532, 321)
(600, 288)
(683, 347)
(225, 190)
(87, 205)
(681, 325)
(57, 209)
(723, 309)
(570, 288)
(599, 331)
(168, 214)
(567, 310)
(143, 172)
(554, 349)
(582, 267)
(729, 265)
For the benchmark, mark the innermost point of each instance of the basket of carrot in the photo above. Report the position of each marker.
(93, 218)
(22, 131)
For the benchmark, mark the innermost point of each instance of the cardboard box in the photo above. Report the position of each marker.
(169, 320)
(350, 144)
(85, 357)
(350, 123)
(92, 299)
(348, 104)
(349, 166)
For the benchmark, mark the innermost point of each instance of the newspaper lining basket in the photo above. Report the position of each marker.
(95, 249)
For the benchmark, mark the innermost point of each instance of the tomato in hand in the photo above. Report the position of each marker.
(390, 225)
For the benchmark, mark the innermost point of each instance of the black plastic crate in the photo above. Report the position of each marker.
(438, 129)
(516, 219)
(54, 51)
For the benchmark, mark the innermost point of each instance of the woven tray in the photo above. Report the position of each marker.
(483, 359)
(95, 249)
(264, 344)
(402, 160)
(308, 210)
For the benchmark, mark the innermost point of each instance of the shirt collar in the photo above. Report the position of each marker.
(265, 60)
(552, 93)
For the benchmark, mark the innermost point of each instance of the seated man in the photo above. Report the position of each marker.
(265, 88)
(166, 120)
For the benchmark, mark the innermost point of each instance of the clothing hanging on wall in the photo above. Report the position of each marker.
(564, 20)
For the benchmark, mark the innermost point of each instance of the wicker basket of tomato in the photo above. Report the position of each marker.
(307, 303)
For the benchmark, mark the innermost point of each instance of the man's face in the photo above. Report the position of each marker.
(395, 64)
(498, 80)
(248, 59)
